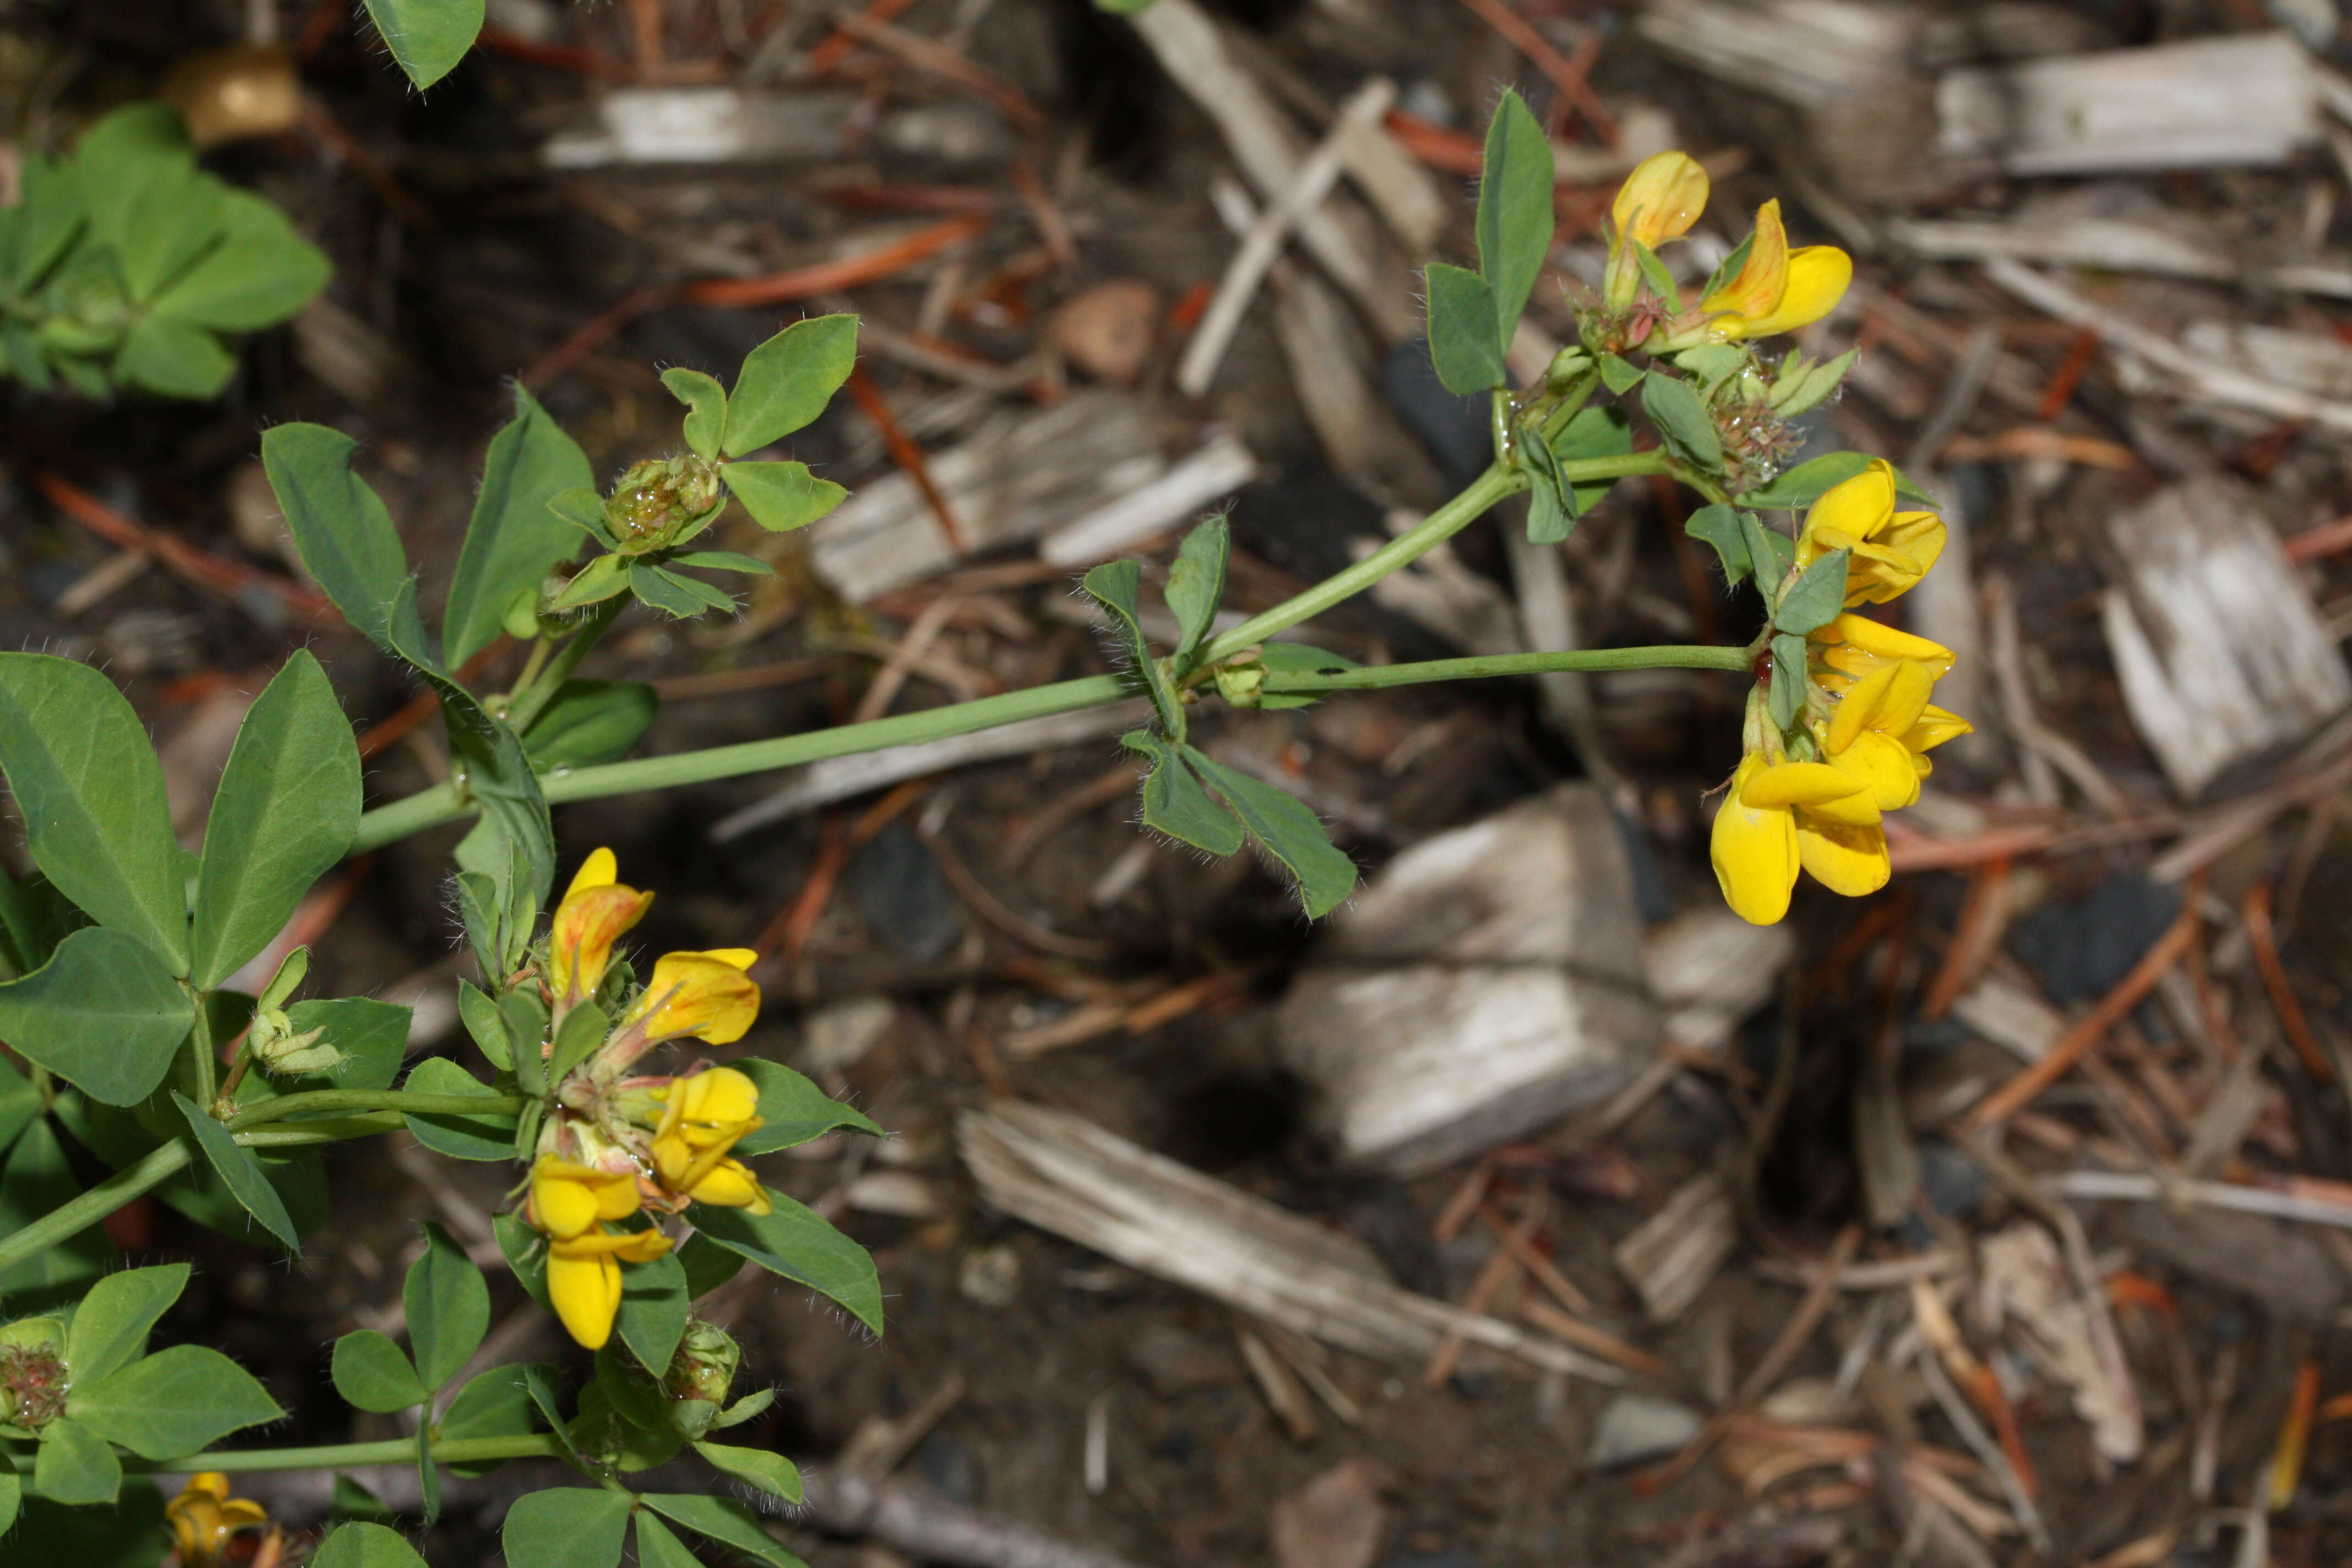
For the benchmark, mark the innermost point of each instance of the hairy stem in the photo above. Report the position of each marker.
(1371, 678)
(417, 1102)
(531, 697)
(78, 1215)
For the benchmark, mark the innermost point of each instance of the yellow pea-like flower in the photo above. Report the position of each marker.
(596, 911)
(1780, 818)
(583, 1278)
(1865, 737)
(703, 1117)
(705, 995)
(1660, 199)
(204, 1518)
(1777, 289)
(567, 1199)
(1892, 550)
(1850, 646)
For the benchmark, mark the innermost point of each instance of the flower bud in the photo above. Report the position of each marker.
(699, 1375)
(33, 1379)
(659, 500)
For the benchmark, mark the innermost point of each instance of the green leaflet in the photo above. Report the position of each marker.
(109, 1328)
(489, 1136)
(705, 408)
(566, 1527)
(792, 1110)
(75, 1465)
(449, 1307)
(240, 1172)
(426, 37)
(288, 806)
(797, 1242)
(1515, 220)
(782, 495)
(772, 1473)
(786, 382)
(1286, 830)
(654, 1310)
(1175, 804)
(1682, 421)
(1196, 582)
(1115, 585)
(514, 540)
(365, 1545)
(1719, 526)
(725, 1520)
(1461, 346)
(103, 1014)
(373, 1373)
(1815, 598)
(1809, 481)
(178, 1401)
(91, 795)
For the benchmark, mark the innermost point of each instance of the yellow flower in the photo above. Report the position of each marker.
(703, 995)
(1892, 550)
(583, 1277)
(595, 911)
(704, 1116)
(204, 1518)
(1870, 735)
(1780, 817)
(1658, 202)
(567, 1199)
(1850, 646)
(1777, 289)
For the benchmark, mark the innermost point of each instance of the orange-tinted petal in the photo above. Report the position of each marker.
(1763, 276)
(696, 993)
(1818, 278)
(1660, 199)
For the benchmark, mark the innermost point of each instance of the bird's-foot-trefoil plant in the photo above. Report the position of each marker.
(633, 1195)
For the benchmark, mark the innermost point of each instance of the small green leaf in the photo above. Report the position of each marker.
(1175, 804)
(1196, 582)
(90, 794)
(1718, 525)
(75, 1465)
(1597, 432)
(485, 1024)
(514, 539)
(526, 1016)
(582, 1030)
(169, 214)
(1619, 375)
(584, 509)
(706, 406)
(1786, 698)
(591, 722)
(566, 1527)
(707, 1265)
(1815, 598)
(1461, 346)
(1711, 363)
(1682, 421)
(797, 1242)
(1769, 555)
(1287, 830)
(372, 1374)
(494, 1404)
(1516, 220)
(371, 1034)
(172, 358)
(782, 495)
(1654, 272)
(288, 806)
(260, 273)
(526, 1254)
(772, 1473)
(657, 1548)
(1806, 483)
(111, 1326)
(1551, 509)
(1281, 658)
(488, 1135)
(786, 382)
(1115, 585)
(676, 594)
(792, 1110)
(449, 1305)
(426, 37)
(1802, 390)
(365, 1545)
(351, 1502)
(341, 531)
(725, 1520)
(653, 1310)
(601, 579)
(723, 561)
(240, 1172)
(103, 1014)
(176, 1401)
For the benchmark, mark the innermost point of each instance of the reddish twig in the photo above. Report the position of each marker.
(1564, 73)
(594, 335)
(939, 60)
(827, 58)
(790, 931)
(2313, 543)
(1983, 915)
(555, 57)
(2067, 376)
(2264, 940)
(905, 454)
(1442, 148)
(200, 567)
(806, 282)
(2076, 1042)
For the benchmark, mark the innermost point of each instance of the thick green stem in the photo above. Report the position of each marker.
(417, 1102)
(438, 804)
(199, 1040)
(1372, 676)
(1423, 537)
(78, 1215)
(340, 1455)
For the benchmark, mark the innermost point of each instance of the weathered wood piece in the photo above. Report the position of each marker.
(2223, 656)
(1067, 1175)
(1490, 980)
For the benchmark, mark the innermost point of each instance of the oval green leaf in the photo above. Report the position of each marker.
(103, 1014)
(373, 1373)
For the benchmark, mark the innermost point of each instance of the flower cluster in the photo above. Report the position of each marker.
(1763, 287)
(617, 1151)
(1811, 796)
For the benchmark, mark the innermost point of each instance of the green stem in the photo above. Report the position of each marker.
(78, 1213)
(531, 699)
(207, 1064)
(340, 1455)
(540, 646)
(337, 1129)
(1372, 676)
(415, 1101)
(1424, 536)
(430, 807)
